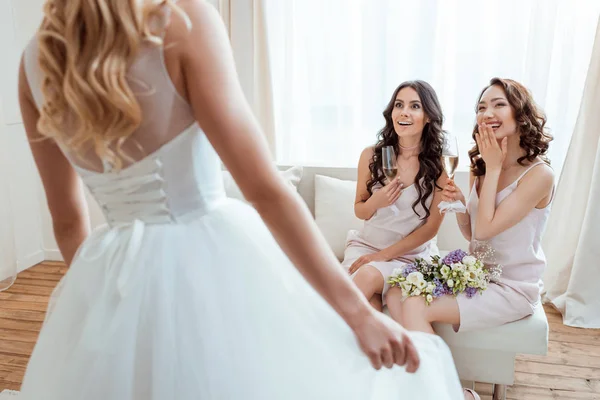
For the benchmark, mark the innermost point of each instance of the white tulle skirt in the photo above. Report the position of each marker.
(208, 309)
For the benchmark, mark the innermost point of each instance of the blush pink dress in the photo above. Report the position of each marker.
(386, 227)
(519, 251)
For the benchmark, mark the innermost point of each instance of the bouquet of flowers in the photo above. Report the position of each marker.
(456, 273)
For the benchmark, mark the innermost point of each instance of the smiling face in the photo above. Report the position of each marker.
(495, 110)
(408, 115)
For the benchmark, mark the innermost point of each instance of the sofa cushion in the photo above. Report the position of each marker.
(291, 175)
(526, 336)
(334, 211)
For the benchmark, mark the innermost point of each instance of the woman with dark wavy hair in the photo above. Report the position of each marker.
(401, 217)
(512, 186)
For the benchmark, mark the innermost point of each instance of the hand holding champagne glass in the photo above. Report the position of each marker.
(450, 159)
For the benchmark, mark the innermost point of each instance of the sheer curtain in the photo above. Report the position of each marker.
(571, 243)
(335, 63)
(245, 22)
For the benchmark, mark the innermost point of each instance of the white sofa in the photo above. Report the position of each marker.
(482, 356)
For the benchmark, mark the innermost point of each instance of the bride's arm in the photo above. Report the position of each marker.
(223, 113)
(62, 186)
(220, 108)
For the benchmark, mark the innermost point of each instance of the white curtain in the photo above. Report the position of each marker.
(572, 241)
(335, 63)
(245, 21)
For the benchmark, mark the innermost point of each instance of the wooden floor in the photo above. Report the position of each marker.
(571, 370)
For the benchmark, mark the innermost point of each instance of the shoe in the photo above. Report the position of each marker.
(472, 393)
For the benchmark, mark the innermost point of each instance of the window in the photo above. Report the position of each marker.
(334, 65)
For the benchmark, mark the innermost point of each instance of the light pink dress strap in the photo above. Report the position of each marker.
(535, 164)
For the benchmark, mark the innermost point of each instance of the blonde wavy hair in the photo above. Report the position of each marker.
(85, 50)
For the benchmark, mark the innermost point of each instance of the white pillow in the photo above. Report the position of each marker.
(334, 211)
(292, 176)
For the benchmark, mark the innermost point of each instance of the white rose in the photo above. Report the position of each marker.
(414, 277)
(430, 288)
(469, 260)
(416, 292)
(429, 298)
(406, 288)
(397, 272)
(471, 276)
(421, 284)
(458, 267)
(450, 283)
(445, 271)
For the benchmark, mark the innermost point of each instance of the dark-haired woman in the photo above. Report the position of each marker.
(401, 217)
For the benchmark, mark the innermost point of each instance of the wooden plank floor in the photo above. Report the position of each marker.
(571, 370)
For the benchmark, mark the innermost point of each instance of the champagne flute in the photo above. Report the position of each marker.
(390, 163)
(450, 159)
(450, 154)
(390, 168)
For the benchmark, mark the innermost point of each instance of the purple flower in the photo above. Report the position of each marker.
(455, 256)
(447, 289)
(439, 290)
(471, 291)
(408, 269)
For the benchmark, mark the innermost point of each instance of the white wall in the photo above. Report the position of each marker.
(8, 251)
(19, 182)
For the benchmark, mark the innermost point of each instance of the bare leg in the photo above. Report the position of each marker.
(393, 298)
(369, 280)
(418, 316)
(377, 302)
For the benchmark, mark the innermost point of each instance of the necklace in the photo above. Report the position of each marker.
(409, 148)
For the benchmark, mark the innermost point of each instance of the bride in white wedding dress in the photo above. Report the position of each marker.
(186, 294)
